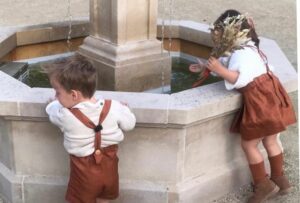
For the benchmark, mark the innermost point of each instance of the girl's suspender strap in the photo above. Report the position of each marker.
(276, 88)
(88, 123)
(262, 56)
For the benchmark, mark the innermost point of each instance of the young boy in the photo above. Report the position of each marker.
(92, 130)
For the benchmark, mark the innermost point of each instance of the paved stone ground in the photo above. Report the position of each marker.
(266, 15)
(273, 19)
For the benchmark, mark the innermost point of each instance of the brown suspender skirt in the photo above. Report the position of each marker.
(266, 110)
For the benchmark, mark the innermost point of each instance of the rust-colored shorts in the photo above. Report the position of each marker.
(89, 181)
(267, 109)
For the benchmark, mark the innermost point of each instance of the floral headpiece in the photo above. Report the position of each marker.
(228, 36)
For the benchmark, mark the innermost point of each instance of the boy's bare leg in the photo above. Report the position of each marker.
(102, 200)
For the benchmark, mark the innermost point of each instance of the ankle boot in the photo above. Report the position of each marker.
(283, 183)
(277, 174)
(263, 191)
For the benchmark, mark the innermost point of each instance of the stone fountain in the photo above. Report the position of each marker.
(180, 150)
(123, 45)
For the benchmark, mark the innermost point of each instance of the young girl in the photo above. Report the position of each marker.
(266, 110)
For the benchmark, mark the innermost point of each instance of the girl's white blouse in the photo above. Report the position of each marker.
(247, 62)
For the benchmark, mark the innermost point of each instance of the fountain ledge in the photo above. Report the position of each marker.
(171, 145)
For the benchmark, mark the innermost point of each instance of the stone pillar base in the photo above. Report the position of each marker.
(132, 67)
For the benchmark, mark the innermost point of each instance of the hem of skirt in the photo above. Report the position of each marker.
(71, 199)
(261, 135)
(109, 197)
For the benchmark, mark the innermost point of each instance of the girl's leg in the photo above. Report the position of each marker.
(275, 154)
(271, 145)
(102, 200)
(263, 187)
(251, 150)
(255, 159)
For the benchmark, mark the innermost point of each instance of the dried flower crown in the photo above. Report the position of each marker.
(228, 36)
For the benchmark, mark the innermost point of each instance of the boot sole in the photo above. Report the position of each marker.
(272, 194)
(285, 191)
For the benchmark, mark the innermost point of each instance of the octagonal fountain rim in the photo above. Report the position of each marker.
(178, 109)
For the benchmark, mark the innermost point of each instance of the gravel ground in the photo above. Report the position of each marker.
(273, 19)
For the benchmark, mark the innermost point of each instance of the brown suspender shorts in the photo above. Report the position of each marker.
(94, 176)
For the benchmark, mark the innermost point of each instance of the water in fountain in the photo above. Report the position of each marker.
(34, 77)
(163, 38)
(162, 48)
(70, 17)
(171, 5)
(181, 77)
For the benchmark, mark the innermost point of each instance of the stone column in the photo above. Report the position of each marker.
(123, 45)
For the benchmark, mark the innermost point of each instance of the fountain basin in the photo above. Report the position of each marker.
(180, 150)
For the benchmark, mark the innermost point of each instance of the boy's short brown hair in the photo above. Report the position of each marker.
(74, 73)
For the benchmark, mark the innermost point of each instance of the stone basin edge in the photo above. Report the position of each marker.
(18, 101)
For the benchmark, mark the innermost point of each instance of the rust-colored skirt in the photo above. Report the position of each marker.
(89, 181)
(267, 109)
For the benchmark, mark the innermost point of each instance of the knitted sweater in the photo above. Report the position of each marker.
(79, 139)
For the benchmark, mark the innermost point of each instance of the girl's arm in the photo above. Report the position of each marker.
(214, 65)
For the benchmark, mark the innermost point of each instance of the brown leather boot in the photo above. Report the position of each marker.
(263, 191)
(283, 183)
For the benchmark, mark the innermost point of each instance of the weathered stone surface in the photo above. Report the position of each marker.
(162, 159)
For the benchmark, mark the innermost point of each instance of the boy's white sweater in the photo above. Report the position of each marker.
(79, 139)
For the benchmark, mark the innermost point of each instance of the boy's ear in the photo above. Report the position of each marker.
(75, 95)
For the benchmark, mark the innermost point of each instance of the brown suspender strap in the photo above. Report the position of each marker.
(276, 88)
(88, 123)
(98, 128)
(262, 56)
(80, 116)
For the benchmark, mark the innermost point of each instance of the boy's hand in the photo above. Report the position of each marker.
(50, 100)
(124, 103)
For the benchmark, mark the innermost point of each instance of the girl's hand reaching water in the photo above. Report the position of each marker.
(214, 65)
(198, 67)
